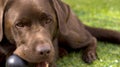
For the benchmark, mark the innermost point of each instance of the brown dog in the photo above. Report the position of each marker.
(31, 29)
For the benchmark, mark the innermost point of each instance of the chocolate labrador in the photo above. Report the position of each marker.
(35, 30)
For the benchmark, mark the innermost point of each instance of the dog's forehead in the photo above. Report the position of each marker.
(31, 9)
(38, 4)
(33, 6)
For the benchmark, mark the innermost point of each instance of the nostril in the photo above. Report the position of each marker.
(41, 53)
(48, 51)
(43, 50)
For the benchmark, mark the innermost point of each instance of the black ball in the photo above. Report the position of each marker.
(15, 61)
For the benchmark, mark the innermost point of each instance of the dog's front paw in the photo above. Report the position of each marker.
(89, 56)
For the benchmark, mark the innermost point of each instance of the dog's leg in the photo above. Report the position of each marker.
(88, 45)
(89, 53)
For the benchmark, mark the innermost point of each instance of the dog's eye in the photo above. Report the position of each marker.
(23, 23)
(20, 24)
(48, 21)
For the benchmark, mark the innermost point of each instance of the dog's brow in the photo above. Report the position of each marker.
(45, 15)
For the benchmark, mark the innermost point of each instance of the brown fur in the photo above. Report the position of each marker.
(32, 30)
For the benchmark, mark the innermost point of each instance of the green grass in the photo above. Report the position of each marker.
(96, 13)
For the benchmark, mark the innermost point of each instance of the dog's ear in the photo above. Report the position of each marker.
(66, 18)
(62, 12)
(2, 6)
(1, 19)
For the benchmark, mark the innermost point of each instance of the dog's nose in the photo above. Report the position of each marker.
(43, 50)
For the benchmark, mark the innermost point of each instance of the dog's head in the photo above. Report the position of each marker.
(32, 27)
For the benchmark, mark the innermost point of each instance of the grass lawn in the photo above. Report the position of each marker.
(96, 13)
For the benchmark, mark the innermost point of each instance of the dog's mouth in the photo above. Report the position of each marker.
(42, 64)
